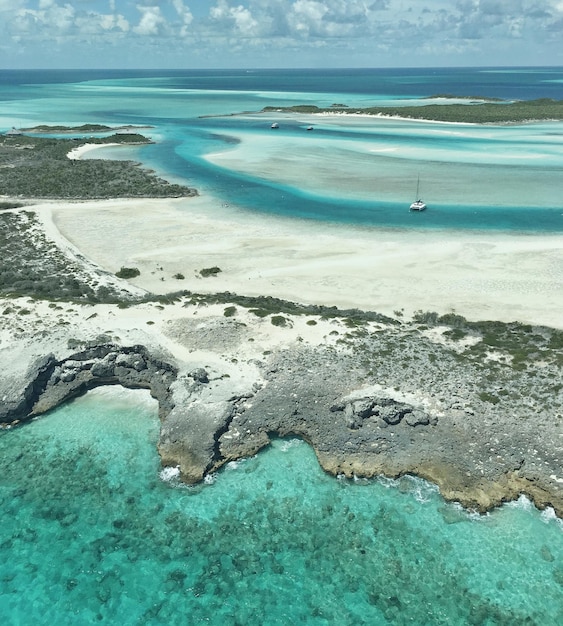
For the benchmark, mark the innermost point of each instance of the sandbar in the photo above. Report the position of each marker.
(479, 275)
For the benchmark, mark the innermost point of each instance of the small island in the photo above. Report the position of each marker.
(109, 292)
(83, 128)
(40, 167)
(475, 111)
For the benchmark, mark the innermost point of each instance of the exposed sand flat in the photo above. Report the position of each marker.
(479, 275)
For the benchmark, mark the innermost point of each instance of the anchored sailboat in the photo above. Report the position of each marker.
(418, 204)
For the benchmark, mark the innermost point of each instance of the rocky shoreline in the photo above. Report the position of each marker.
(365, 413)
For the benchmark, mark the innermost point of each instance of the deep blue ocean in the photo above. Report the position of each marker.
(94, 532)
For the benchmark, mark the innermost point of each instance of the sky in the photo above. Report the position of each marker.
(194, 34)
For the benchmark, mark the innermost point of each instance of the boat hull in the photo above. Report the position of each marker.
(418, 206)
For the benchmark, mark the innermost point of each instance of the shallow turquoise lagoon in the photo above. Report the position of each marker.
(94, 532)
(359, 170)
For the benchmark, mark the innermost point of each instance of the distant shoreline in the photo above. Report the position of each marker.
(84, 128)
(482, 112)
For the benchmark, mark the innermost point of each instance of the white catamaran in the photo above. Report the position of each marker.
(418, 204)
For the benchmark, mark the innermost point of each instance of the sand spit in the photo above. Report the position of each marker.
(479, 275)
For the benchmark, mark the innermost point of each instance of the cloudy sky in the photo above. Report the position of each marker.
(279, 33)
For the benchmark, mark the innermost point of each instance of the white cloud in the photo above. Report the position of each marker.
(184, 14)
(515, 27)
(238, 18)
(244, 21)
(500, 7)
(510, 19)
(306, 16)
(53, 18)
(51, 26)
(183, 11)
(98, 23)
(151, 22)
(252, 31)
(293, 18)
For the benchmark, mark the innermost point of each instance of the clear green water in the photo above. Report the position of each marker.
(91, 533)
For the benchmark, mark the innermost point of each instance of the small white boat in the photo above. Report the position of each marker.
(309, 128)
(275, 125)
(418, 204)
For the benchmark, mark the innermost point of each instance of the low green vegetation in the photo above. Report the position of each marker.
(279, 320)
(455, 334)
(474, 112)
(83, 128)
(488, 397)
(482, 366)
(210, 271)
(128, 272)
(354, 322)
(31, 265)
(268, 305)
(7, 204)
(500, 361)
(38, 167)
(453, 96)
(520, 343)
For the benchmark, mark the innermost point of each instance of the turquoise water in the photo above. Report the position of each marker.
(93, 533)
(364, 171)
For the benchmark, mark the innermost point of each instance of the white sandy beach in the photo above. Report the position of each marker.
(77, 153)
(481, 276)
